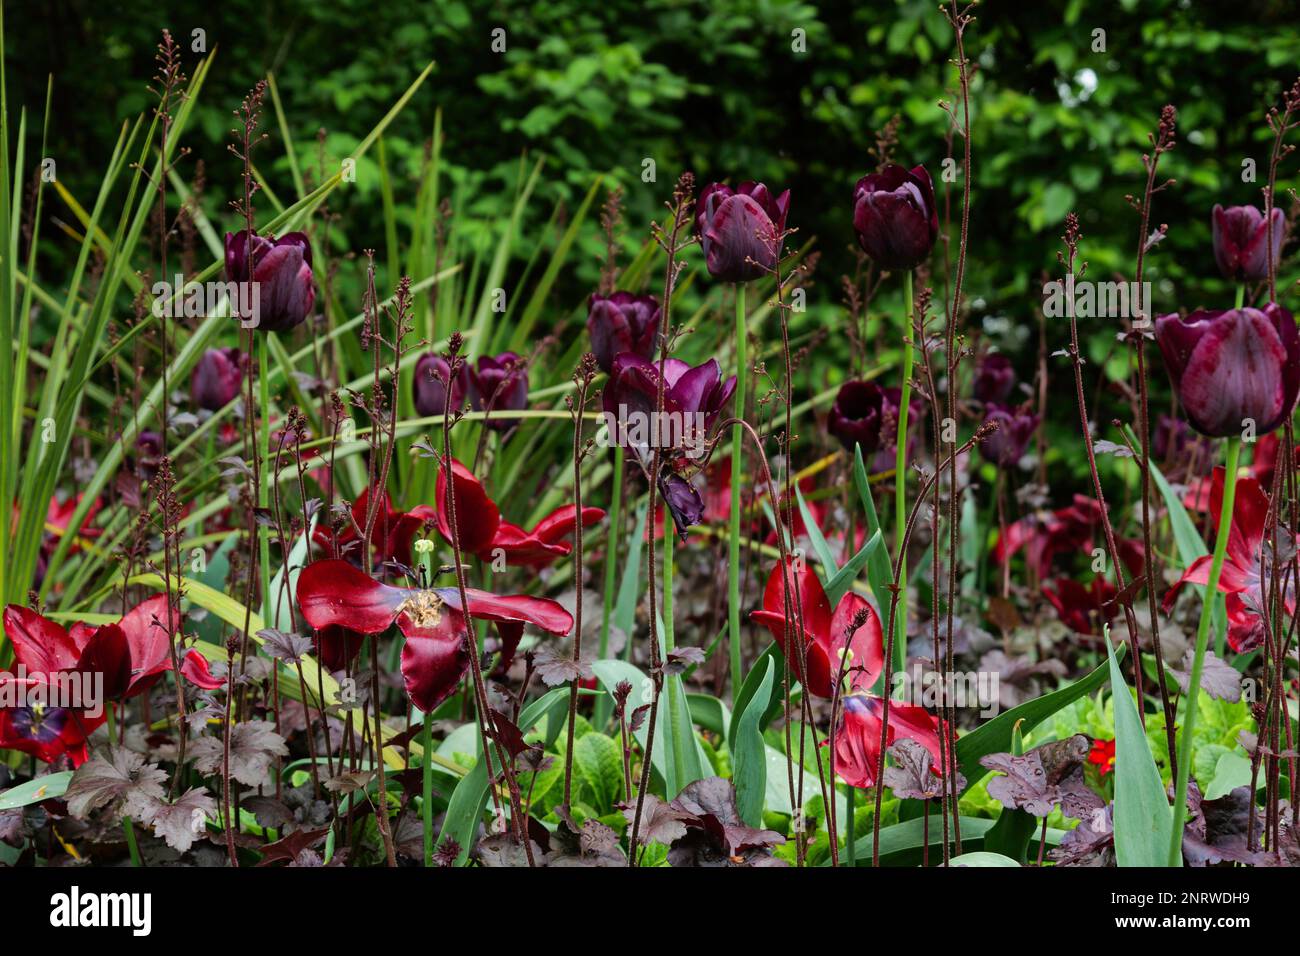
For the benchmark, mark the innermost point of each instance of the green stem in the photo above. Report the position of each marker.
(268, 467)
(674, 686)
(733, 552)
(900, 482)
(850, 834)
(603, 703)
(1241, 295)
(1202, 637)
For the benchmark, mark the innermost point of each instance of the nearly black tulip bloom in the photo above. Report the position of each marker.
(1016, 426)
(857, 416)
(216, 379)
(620, 323)
(994, 378)
(1242, 240)
(431, 374)
(740, 230)
(281, 269)
(895, 217)
(1233, 366)
(499, 383)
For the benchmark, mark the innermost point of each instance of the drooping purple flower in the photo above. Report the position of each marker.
(994, 378)
(498, 384)
(1242, 240)
(895, 217)
(282, 277)
(431, 373)
(216, 378)
(1016, 426)
(1233, 367)
(740, 230)
(622, 322)
(683, 501)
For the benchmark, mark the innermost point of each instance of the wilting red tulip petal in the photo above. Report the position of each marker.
(522, 547)
(522, 608)
(811, 600)
(868, 646)
(559, 524)
(40, 645)
(108, 653)
(477, 516)
(333, 592)
(195, 670)
(149, 641)
(857, 739)
(433, 657)
(337, 647)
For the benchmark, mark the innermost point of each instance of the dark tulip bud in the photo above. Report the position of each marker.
(1242, 241)
(994, 378)
(683, 501)
(148, 447)
(1015, 427)
(282, 293)
(216, 378)
(622, 322)
(1233, 370)
(857, 415)
(499, 383)
(740, 230)
(895, 217)
(431, 374)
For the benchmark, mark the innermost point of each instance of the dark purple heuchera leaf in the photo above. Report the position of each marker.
(715, 834)
(556, 669)
(591, 844)
(253, 745)
(290, 847)
(119, 779)
(682, 658)
(181, 823)
(1048, 776)
(285, 646)
(1216, 830)
(1091, 843)
(503, 850)
(660, 822)
(912, 776)
(1219, 679)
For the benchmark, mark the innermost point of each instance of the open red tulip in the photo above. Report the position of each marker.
(857, 738)
(1246, 565)
(434, 659)
(825, 633)
(484, 533)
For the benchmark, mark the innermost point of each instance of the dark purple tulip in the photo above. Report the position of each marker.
(431, 373)
(216, 379)
(148, 447)
(1231, 366)
(857, 416)
(895, 217)
(1241, 241)
(741, 225)
(1016, 426)
(994, 378)
(282, 272)
(499, 383)
(622, 322)
(695, 397)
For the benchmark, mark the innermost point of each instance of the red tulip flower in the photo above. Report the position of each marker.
(1082, 609)
(824, 631)
(484, 533)
(1069, 530)
(857, 739)
(1232, 367)
(130, 655)
(1245, 566)
(390, 537)
(434, 658)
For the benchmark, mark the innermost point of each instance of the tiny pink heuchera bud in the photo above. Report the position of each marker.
(620, 323)
(281, 269)
(895, 217)
(740, 230)
(1234, 368)
(216, 379)
(1242, 241)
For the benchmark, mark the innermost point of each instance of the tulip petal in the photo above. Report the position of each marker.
(477, 516)
(433, 658)
(525, 609)
(40, 645)
(194, 668)
(333, 592)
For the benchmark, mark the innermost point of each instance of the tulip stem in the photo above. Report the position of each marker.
(850, 829)
(1198, 660)
(670, 643)
(266, 472)
(900, 481)
(426, 803)
(603, 704)
(1241, 295)
(737, 438)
